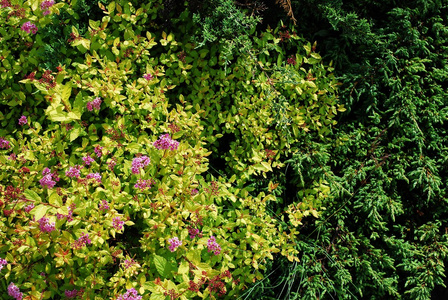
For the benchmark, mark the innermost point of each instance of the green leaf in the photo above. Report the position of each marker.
(266, 166)
(157, 296)
(75, 31)
(32, 195)
(62, 210)
(194, 256)
(78, 105)
(162, 266)
(39, 211)
(74, 134)
(34, 4)
(71, 116)
(66, 91)
(183, 268)
(85, 43)
(55, 199)
(94, 24)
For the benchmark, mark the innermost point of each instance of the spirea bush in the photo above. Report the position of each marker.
(106, 189)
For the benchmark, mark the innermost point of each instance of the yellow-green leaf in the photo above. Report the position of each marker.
(32, 195)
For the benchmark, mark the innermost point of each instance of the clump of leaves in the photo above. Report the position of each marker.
(221, 21)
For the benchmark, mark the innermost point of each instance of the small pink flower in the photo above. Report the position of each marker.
(165, 142)
(148, 77)
(174, 244)
(291, 60)
(45, 225)
(96, 103)
(71, 294)
(46, 4)
(117, 223)
(193, 232)
(95, 176)
(49, 179)
(88, 160)
(139, 163)
(28, 208)
(5, 3)
(131, 294)
(4, 144)
(23, 120)
(111, 164)
(82, 241)
(74, 171)
(129, 263)
(104, 205)
(29, 27)
(98, 151)
(14, 291)
(3, 263)
(213, 246)
(144, 183)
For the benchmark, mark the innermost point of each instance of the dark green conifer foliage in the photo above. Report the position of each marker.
(384, 233)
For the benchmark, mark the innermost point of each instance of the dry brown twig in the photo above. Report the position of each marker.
(286, 5)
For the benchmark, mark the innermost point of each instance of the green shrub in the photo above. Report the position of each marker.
(383, 232)
(106, 184)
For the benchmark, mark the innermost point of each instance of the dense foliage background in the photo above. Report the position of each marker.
(384, 233)
(306, 137)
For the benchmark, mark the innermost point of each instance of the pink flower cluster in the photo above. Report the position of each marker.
(174, 244)
(131, 294)
(45, 225)
(74, 171)
(104, 205)
(96, 103)
(148, 77)
(88, 160)
(3, 263)
(129, 263)
(49, 179)
(5, 3)
(95, 176)
(139, 163)
(193, 232)
(213, 246)
(14, 291)
(165, 142)
(117, 223)
(28, 208)
(291, 60)
(29, 27)
(144, 183)
(23, 121)
(98, 151)
(82, 241)
(111, 164)
(45, 6)
(4, 144)
(71, 294)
